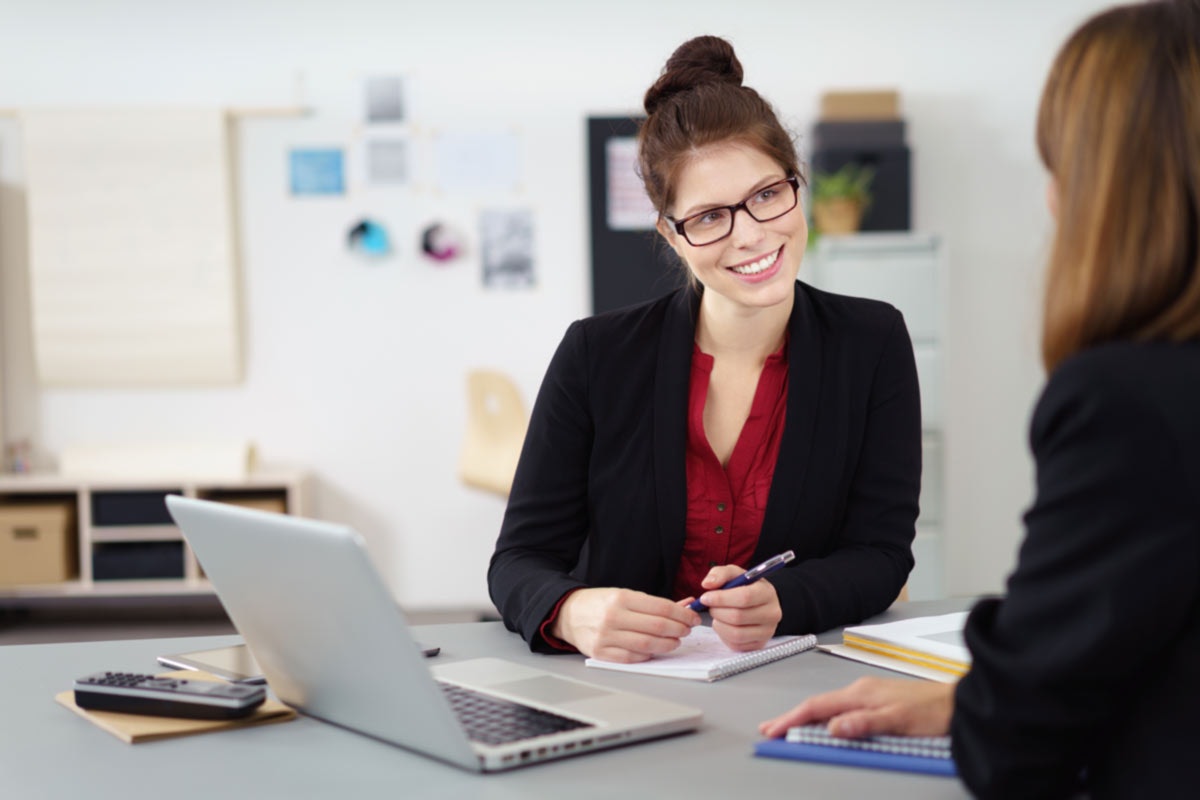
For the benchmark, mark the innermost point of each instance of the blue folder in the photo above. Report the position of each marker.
(779, 748)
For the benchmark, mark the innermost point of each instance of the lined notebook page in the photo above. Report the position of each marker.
(704, 657)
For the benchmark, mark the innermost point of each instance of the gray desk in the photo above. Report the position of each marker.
(48, 752)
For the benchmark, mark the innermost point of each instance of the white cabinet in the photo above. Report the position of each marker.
(120, 539)
(906, 270)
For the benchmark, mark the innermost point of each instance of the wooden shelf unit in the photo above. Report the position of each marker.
(289, 486)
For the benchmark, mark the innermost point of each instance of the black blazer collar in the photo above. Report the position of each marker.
(806, 348)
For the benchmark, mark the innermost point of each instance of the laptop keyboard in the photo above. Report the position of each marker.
(490, 720)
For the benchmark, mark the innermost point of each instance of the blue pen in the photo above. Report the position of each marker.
(751, 575)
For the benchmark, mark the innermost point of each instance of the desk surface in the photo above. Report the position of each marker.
(46, 751)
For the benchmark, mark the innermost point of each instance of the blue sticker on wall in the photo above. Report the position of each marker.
(317, 171)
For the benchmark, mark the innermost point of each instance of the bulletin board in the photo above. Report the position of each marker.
(630, 261)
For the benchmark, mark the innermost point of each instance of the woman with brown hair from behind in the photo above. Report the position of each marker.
(1084, 675)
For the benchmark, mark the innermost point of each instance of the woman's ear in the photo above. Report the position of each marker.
(1051, 197)
(673, 239)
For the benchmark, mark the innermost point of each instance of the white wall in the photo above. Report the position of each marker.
(358, 370)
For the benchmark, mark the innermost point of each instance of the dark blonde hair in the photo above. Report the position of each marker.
(699, 100)
(1119, 130)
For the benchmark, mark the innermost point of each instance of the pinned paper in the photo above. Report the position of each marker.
(506, 244)
(629, 207)
(387, 162)
(477, 161)
(385, 99)
(317, 171)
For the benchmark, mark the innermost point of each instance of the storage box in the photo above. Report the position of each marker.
(264, 501)
(131, 508)
(115, 561)
(868, 133)
(36, 543)
(881, 104)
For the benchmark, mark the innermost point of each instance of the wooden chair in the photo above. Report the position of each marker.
(496, 424)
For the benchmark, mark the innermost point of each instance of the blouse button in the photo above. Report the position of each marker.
(720, 506)
(719, 529)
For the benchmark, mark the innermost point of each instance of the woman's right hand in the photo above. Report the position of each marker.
(622, 624)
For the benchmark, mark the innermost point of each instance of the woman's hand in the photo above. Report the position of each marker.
(871, 706)
(621, 624)
(745, 617)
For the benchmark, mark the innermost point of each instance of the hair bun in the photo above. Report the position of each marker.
(705, 59)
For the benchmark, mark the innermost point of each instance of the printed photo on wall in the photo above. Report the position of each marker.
(317, 171)
(385, 99)
(506, 246)
(368, 237)
(387, 162)
(441, 242)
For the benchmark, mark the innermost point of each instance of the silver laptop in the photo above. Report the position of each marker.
(332, 643)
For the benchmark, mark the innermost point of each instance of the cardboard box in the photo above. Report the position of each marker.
(37, 543)
(883, 104)
(259, 502)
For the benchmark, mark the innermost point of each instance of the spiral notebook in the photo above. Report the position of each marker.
(702, 656)
(925, 754)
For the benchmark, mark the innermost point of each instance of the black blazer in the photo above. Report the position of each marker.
(1091, 664)
(600, 495)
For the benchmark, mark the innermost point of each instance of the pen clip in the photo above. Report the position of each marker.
(770, 565)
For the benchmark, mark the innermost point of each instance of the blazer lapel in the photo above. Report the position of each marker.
(795, 449)
(671, 379)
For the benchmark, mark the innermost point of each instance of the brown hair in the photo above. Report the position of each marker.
(1119, 129)
(699, 100)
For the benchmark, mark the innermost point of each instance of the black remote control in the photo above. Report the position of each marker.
(131, 693)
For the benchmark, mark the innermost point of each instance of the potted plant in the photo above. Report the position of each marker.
(840, 198)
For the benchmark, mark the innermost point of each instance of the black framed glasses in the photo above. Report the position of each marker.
(714, 224)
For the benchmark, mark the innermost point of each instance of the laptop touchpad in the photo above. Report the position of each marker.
(549, 689)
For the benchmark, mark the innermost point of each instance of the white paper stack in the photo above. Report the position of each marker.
(928, 647)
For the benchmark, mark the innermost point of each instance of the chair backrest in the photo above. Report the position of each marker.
(496, 423)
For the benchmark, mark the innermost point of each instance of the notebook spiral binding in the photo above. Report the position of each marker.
(755, 658)
(922, 746)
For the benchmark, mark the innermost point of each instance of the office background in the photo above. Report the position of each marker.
(356, 370)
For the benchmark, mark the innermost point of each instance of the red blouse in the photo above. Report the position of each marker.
(726, 504)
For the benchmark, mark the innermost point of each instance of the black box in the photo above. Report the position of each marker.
(114, 561)
(890, 188)
(858, 134)
(131, 508)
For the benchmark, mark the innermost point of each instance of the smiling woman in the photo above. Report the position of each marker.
(676, 442)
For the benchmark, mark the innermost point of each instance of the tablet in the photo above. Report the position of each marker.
(231, 663)
(234, 663)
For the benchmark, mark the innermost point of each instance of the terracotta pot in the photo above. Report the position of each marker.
(839, 215)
